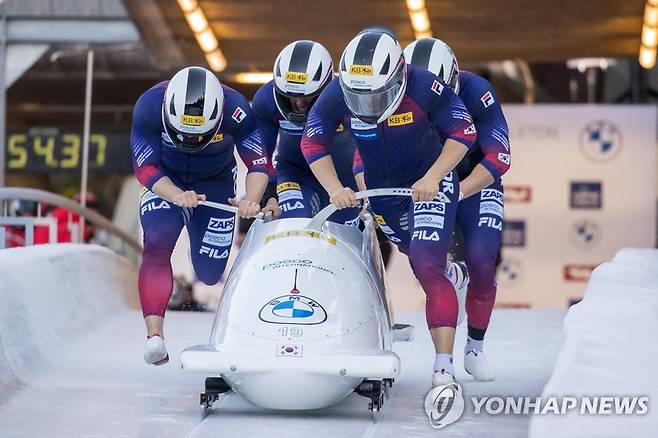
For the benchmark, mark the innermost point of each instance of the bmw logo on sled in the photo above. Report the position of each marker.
(304, 306)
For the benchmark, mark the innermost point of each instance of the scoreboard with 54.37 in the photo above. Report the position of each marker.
(56, 150)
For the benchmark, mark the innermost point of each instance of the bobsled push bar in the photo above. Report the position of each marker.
(320, 218)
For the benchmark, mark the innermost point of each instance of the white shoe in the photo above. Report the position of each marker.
(477, 365)
(155, 352)
(442, 378)
(457, 274)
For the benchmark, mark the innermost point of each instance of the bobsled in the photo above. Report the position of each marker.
(305, 318)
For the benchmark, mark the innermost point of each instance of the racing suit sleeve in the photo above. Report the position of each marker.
(146, 141)
(493, 134)
(247, 136)
(450, 116)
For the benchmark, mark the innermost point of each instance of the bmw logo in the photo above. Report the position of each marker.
(293, 309)
(510, 272)
(585, 234)
(600, 140)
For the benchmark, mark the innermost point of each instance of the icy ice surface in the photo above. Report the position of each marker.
(98, 386)
(610, 349)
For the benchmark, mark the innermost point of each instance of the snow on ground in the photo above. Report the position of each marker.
(98, 386)
(610, 350)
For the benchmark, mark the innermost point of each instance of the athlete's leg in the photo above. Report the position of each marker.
(481, 220)
(211, 232)
(162, 222)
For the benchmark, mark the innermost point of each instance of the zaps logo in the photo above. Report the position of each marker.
(361, 70)
(600, 141)
(444, 405)
(400, 119)
(192, 120)
(296, 77)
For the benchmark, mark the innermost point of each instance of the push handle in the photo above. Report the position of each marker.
(320, 218)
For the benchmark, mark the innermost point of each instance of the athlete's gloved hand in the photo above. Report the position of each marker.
(425, 189)
(273, 206)
(246, 208)
(188, 199)
(343, 198)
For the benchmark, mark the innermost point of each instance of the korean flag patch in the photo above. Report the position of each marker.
(238, 115)
(487, 99)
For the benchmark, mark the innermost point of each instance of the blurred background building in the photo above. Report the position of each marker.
(534, 52)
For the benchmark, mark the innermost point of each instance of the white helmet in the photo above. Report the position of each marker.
(302, 69)
(436, 56)
(373, 75)
(193, 108)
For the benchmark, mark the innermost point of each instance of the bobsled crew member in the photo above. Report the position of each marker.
(480, 212)
(411, 130)
(301, 72)
(183, 135)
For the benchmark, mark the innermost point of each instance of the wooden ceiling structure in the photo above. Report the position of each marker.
(251, 32)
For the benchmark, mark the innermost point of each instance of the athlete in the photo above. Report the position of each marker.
(301, 71)
(183, 136)
(411, 130)
(480, 212)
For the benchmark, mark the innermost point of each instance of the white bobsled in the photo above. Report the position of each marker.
(304, 319)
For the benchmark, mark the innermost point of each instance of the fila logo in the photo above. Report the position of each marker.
(487, 99)
(287, 206)
(425, 235)
(504, 158)
(151, 206)
(214, 253)
(491, 222)
(238, 115)
(470, 130)
(437, 87)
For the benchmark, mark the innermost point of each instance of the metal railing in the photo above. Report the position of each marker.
(121, 242)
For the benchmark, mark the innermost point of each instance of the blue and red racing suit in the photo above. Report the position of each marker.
(300, 193)
(210, 171)
(480, 216)
(397, 153)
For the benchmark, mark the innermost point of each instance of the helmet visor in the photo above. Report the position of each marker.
(369, 105)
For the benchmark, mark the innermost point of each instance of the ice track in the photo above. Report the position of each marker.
(98, 386)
